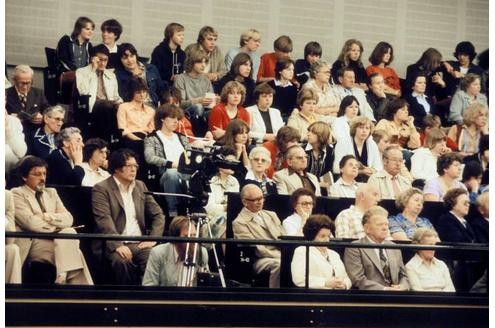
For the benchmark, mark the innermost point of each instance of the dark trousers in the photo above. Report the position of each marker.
(129, 273)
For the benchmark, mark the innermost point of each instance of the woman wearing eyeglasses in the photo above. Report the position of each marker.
(326, 269)
(302, 201)
(260, 161)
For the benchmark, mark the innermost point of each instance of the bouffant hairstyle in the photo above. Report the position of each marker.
(263, 88)
(422, 233)
(304, 95)
(346, 102)
(296, 194)
(445, 161)
(472, 112)
(317, 65)
(229, 88)
(468, 80)
(450, 197)
(315, 223)
(92, 145)
(403, 197)
(393, 107)
(360, 121)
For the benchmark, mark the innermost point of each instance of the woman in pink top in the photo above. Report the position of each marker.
(134, 118)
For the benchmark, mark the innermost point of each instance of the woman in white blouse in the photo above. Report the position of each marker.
(326, 269)
(424, 271)
(346, 186)
(265, 120)
(95, 153)
(424, 159)
(302, 201)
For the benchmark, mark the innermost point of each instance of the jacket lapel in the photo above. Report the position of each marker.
(370, 252)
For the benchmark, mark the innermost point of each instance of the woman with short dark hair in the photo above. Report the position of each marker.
(285, 95)
(73, 50)
(95, 163)
(326, 269)
(302, 201)
(449, 170)
(242, 72)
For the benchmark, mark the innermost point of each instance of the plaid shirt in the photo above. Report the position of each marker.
(348, 224)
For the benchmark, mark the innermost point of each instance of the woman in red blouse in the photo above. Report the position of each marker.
(232, 96)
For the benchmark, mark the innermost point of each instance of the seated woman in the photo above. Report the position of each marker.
(403, 225)
(95, 163)
(285, 95)
(302, 201)
(380, 59)
(265, 120)
(305, 115)
(166, 263)
(449, 170)
(346, 186)
(41, 142)
(135, 117)
(73, 50)
(348, 110)
(469, 93)
(320, 153)
(350, 56)
(328, 100)
(163, 149)
(132, 68)
(224, 181)
(434, 122)
(452, 225)
(260, 160)
(362, 146)
(425, 272)
(424, 159)
(286, 137)
(237, 137)
(419, 103)
(228, 109)
(475, 125)
(326, 269)
(242, 72)
(399, 124)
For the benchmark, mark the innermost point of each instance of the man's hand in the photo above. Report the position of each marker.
(395, 288)
(124, 252)
(335, 283)
(146, 244)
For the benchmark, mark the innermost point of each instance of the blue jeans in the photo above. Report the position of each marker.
(171, 182)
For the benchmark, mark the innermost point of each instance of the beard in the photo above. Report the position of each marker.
(40, 187)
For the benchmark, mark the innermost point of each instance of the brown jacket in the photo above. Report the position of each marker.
(109, 214)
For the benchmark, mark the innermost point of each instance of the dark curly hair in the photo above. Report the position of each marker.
(315, 223)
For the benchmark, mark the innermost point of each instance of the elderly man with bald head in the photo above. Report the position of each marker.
(295, 176)
(253, 222)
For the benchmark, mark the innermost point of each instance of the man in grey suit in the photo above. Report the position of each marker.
(120, 207)
(376, 268)
(295, 176)
(253, 222)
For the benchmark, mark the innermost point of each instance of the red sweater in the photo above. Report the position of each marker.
(267, 65)
(219, 118)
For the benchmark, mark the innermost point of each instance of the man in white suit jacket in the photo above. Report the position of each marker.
(295, 176)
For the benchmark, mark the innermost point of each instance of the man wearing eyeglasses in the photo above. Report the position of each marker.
(24, 100)
(121, 207)
(253, 222)
(389, 180)
(295, 176)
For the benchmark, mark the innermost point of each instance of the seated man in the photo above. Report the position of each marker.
(255, 223)
(166, 265)
(376, 268)
(376, 97)
(120, 207)
(389, 180)
(24, 100)
(41, 142)
(346, 87)
(348, 223)
(100, 84)
(295, 176)
(65, 162)
(39, 209)
(207, 42)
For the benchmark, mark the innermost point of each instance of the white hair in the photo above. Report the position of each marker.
(20, 69)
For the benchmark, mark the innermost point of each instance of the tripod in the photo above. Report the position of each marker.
(188, 271)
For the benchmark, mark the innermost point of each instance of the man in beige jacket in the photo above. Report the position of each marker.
(253, 222)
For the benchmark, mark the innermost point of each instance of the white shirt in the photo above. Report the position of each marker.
(422, 101)
(293, 225)
(171, 146)
(131, 224)
(432, 276)
(92, 177)
(342, 189)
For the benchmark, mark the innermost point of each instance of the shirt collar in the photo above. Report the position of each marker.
(121, 186)
(417, 95)
(279, 84)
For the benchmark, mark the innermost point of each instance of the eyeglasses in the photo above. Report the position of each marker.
(24, 83)
(257, 159)
(135, 166)
(396, 160)
(58, 119)
(255, 200)
(306, 203)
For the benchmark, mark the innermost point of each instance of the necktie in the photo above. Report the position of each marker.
(38, 195)
(385, 267)
(23, 100)
(395, 186)
(100, 90)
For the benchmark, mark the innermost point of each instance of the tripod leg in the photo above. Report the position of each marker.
(220, 271)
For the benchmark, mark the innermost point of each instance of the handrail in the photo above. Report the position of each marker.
(336, 244)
